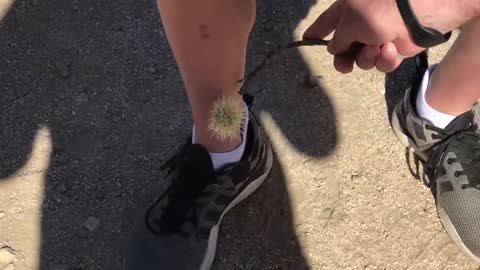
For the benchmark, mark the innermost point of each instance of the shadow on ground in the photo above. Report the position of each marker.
(100, 76)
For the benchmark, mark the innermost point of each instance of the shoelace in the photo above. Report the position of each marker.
(182, 197)
(471, 138)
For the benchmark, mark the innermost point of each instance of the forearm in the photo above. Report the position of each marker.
(470, 9)
(446, 15)
(476, 7)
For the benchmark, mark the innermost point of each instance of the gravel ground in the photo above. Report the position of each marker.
(92, 103)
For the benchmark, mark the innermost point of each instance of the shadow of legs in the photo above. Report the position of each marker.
(101, 76)
(260, 234)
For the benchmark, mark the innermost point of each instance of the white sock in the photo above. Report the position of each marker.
(221, 159)
(438, 119)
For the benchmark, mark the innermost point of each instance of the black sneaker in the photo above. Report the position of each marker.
(451, 158)
(180, 229)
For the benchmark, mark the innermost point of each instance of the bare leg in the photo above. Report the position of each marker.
(209, 41)
(455, 84)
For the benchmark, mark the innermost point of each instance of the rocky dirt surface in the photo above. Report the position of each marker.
(92, 103)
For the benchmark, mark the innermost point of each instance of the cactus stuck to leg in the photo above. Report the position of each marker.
(227, 118)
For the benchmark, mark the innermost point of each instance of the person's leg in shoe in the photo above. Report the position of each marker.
(227, 158)
(439, 119)
(454, 84)
(209, 41)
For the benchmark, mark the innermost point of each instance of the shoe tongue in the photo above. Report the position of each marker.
(462, 121)
(200, 162)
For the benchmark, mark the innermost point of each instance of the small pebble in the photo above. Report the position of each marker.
(81, 98)
(7, 255)
(60, 198)
(92, 223)
(63, 67)
(151, 69)
(2, 214)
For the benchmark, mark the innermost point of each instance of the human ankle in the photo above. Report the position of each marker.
(423, 108)
(446, 96)
(212, 144)
(224, 152)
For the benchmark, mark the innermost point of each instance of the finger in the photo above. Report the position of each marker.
(389, 58)
(326, 23)
(341, 43)
(343, 63)
(406, 47)
(367, 57)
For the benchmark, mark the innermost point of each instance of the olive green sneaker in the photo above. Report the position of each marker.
(451, 159)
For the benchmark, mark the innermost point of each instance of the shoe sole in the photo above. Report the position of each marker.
(398, 129)
(442, 214)
(252, 187)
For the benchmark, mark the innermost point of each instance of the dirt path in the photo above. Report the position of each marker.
(92, 103)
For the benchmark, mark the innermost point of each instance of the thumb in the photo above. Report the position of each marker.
(326, 23)
(389, 58)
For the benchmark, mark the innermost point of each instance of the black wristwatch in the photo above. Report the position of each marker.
(424, 37)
